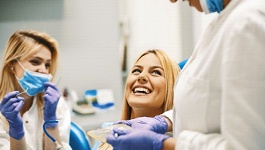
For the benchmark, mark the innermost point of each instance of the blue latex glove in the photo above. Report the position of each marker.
(51, 99)
(157, 124)
(10, 108)
(136, 139)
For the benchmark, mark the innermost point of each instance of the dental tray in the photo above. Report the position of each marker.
(102, 133)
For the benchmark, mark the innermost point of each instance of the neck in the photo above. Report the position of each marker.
(145, 112)
(28, 100)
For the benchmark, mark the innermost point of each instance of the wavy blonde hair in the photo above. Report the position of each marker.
(171, 72)
(20, 45)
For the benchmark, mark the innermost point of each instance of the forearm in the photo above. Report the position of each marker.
(18, 144)
(169, 144)
(48, 143)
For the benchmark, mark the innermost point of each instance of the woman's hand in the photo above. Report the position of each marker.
(157, 124)
(10, 108)
(51, 99)
(136, 139)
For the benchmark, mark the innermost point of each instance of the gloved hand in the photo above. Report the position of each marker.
(157, 124)
(51, 99)
(10, 108)
(136, 139)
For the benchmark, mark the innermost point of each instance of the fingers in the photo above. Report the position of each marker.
(12, 107)
(8, 96)
(19, 106)
(141, 122)
(115, 133)
(51, 91)
(127, 122)
(120, 132)
(111, 139)
(115, 136)
(51, 98)
(12, 103)
(50, 84)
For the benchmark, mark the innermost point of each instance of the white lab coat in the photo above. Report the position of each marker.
(219, 100)
(33, 127)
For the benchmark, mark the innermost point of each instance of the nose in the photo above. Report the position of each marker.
(142, 79)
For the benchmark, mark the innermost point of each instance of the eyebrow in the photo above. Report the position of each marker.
(153, 67)
(37, 57)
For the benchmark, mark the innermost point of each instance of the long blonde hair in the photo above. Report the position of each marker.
(20, 45)
(171, 72)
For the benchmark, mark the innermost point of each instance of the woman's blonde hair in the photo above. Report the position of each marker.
(171, 70)
(20, 45)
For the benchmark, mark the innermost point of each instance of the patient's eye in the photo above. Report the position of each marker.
(136, 71)
(47, 65)
(157, 72)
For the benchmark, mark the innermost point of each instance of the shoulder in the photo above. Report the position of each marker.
(246, 17)
(249, 11)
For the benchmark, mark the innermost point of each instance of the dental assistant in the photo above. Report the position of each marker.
(220, 94)
(28, 98)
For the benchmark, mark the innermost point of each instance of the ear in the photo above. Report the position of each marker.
(11, 66)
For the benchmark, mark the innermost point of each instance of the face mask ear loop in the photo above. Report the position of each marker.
(21, 67)
(20, 64)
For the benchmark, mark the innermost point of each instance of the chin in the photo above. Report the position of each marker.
(137, 104)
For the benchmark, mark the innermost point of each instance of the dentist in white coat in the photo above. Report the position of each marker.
(220, 93)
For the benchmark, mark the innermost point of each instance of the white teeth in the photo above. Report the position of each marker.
(146, 91)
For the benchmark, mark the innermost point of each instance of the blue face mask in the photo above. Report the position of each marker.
(210, 6)
(32, 82)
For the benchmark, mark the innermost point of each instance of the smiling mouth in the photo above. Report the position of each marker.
(141, 90)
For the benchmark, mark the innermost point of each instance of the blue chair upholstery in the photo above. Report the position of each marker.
(182, 63)
(78, 139)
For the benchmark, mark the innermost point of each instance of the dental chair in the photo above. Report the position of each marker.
(182, 63)
(78, 139)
